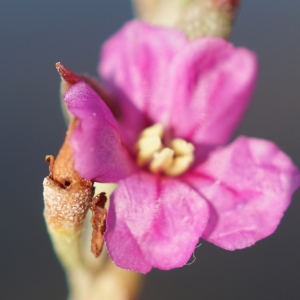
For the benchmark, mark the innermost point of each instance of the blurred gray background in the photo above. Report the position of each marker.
(36, 34)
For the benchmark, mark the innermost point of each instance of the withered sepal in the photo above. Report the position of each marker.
(67, 195)
(98, 222)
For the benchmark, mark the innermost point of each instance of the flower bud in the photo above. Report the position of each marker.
(195, 18)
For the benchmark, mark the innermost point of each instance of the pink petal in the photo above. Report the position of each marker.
(249, 185)
(96, 143)
(210, 84)
(154, 222)
(134, 63)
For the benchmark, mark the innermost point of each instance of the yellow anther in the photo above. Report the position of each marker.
(180, 165)
(149, 142)
(154, 130)
(172, 161)
(162, 160)
(182, 147)
(146, 147)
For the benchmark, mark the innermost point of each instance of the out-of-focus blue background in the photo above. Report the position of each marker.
(36, 34)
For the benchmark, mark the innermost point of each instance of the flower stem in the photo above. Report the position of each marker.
(109, 283)
(67, 199)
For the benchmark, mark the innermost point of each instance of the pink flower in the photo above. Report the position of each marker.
(177, 181)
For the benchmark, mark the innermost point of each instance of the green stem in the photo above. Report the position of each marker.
(90, 278)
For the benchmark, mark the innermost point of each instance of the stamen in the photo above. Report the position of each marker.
(180, 165)
(172, 161)
(147, 146)
(182, 147)
(162, 160)
(156, 129)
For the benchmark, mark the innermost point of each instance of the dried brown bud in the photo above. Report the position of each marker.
(67, 195)
(98, 222)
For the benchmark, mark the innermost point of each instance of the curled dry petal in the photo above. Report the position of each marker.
(98, 222)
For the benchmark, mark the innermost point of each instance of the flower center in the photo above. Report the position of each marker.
(172, 161)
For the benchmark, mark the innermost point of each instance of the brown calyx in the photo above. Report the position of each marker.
(66, 194)
(62, 168)
(98, 222)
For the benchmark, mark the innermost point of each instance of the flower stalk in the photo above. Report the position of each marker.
(67, 198)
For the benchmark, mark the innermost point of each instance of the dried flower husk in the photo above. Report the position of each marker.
(67, 198)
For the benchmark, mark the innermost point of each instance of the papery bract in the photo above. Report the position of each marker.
(198, 91)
